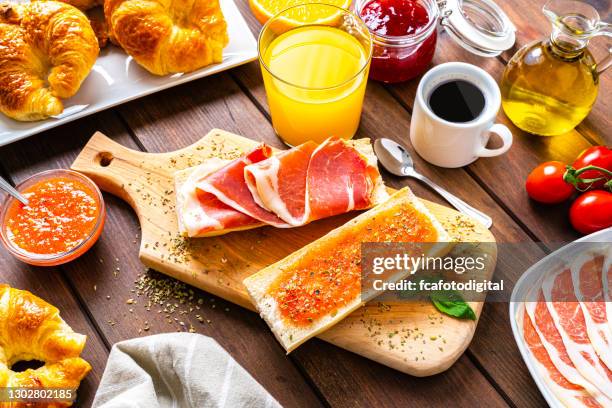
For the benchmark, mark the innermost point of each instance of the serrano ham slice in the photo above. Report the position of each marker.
(570, 322)
(570, 394)
(229, 186)
(288, 189)
(341, 179)
(551, 340)
(280, 182)
(587, 277)
(607, 285)
(201, 213)
(566, 327)
(311, 182)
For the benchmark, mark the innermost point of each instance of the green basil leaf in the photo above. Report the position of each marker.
(448, 302)
(452, 304)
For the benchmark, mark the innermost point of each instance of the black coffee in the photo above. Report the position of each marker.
(457, 101)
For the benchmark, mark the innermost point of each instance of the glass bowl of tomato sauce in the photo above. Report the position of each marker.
(63, 219)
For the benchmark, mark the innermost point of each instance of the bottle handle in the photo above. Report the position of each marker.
(606, 30)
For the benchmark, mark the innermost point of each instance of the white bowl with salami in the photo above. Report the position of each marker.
(561, 317)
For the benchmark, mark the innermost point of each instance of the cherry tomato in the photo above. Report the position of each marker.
(600, 156)
(592, 211)
(545, 183)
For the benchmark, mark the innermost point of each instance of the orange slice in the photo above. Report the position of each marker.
(263, 10)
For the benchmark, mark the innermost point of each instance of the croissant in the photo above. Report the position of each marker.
(31, 329)
(84, 4)
(46, 51)
(168, 36)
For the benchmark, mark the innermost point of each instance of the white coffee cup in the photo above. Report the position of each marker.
(456, 144)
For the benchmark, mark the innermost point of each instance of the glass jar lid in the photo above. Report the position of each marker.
(479, 26)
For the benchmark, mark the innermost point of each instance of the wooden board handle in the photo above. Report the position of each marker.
(110, 165)
(143, 180)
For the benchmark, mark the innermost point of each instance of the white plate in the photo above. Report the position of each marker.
(117, 79)
(524, 285)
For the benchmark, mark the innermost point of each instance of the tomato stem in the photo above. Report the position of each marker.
(591, 167)
(572, 176)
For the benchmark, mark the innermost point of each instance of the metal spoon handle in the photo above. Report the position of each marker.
(458, 203)
(4, 185)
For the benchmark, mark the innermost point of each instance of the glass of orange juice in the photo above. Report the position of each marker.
(315, 60)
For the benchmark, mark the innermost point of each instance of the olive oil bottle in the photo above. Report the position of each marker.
(549, 86)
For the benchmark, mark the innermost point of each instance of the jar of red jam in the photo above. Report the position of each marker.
(405, 32)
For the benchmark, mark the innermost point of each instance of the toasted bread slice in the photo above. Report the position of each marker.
(287, 275)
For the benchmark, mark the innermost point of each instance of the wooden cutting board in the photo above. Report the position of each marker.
(411, 337)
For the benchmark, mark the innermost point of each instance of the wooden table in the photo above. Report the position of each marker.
(91, 292)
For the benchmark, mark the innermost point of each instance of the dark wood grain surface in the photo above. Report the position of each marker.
(93, 292)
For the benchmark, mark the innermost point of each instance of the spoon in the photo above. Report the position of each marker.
(4, 185)
(396, 159)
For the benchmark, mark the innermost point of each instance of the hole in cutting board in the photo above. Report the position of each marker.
(104, 159)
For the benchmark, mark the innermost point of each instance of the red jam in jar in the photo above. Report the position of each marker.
(404, 36)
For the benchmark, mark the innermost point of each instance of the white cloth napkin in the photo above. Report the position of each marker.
(177, 370)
